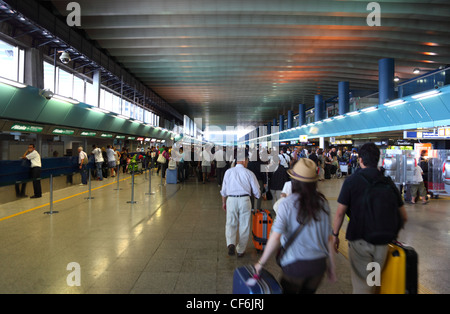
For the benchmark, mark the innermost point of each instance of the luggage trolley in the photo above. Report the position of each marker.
(343, 169)
(438, 181)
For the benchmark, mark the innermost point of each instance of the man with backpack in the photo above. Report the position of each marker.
(376, 214)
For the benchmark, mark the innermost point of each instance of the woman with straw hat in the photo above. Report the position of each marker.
(302, 227)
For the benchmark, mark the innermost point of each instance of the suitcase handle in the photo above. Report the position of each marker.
(257, 239)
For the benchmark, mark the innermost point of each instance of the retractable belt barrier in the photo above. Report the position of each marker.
(18, 171)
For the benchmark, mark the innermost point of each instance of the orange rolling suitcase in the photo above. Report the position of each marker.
(400, 275)
(262, 222)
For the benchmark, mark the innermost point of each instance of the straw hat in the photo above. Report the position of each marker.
(304, 170)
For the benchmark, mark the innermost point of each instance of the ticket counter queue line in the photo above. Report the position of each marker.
(63, 199)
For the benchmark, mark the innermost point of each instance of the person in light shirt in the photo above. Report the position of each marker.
(238, 185)
(33, 156)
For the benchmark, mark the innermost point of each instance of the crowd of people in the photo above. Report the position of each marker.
(289, 177)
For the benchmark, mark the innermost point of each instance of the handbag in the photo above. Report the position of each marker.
(161, 159)
(172, 165)
(283, 250)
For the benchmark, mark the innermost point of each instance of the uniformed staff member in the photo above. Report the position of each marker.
(33, 156)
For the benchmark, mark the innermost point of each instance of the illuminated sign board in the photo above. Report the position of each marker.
(63, 132)
(27, 128)
(88, 134)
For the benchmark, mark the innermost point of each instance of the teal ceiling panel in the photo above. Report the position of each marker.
(54, 112)
(91, 121)
(26, 104)
(106, 122)
(75, 116)
(6, 94)
(435, 107)
(418, 112)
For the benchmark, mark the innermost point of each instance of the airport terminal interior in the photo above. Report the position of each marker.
(121, 100)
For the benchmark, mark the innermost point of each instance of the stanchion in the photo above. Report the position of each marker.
(89, 197)
(118, 180)
(51, 212)
(149, 180)
(132, 188)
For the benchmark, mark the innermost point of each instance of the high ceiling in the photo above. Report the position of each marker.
(243, 62)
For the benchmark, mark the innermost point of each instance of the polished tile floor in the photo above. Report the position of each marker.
(171, 242)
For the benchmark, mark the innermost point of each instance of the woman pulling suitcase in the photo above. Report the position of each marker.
(302, 227)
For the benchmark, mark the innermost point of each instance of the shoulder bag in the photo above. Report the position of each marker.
(284, 248)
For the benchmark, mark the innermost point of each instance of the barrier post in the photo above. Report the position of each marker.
(150, 183)
(118, 180)
(51, 212)
(89, 197)
(132, 188)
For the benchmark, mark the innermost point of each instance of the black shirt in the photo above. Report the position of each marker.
(351, 195)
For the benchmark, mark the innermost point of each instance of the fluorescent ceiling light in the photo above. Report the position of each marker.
(122, 117)
(370, 109)
(69, 100)
(426, 94)
(327, 120)
(99, 110)
(339, 117)
(11, 83)
(394, 103)
(353, 113)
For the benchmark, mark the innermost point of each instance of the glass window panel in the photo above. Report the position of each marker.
(65, 83)
(116, 104)
(126, 108)
(90, 94)
(49, 72)
(8, 60)
(78, 89)
(102, 98)
(108, 101)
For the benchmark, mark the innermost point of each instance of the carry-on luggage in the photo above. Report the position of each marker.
(244, 282)
(171, 176)
(400, 275)
(261, 225)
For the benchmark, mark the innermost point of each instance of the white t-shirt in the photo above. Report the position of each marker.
(312, 242)
(206, 159)
(81, 156)
(98, 155)
(418, 174)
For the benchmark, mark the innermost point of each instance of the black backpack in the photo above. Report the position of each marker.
(381, 216)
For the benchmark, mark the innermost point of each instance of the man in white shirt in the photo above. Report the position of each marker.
(111, 160)
(206, 163)
(284, 159)
(97, 152)
(238, 184)
(83, 161)
(33, 156)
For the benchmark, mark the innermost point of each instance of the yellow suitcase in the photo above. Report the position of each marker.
(400, 275)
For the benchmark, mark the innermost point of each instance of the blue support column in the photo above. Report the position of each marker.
(318, 107)
(290, 120)
(269, 128)
(281, 124)
(275, 122)
(386, 71)
(344, 98)
(301, 114)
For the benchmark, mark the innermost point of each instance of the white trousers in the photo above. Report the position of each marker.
(238, 217)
